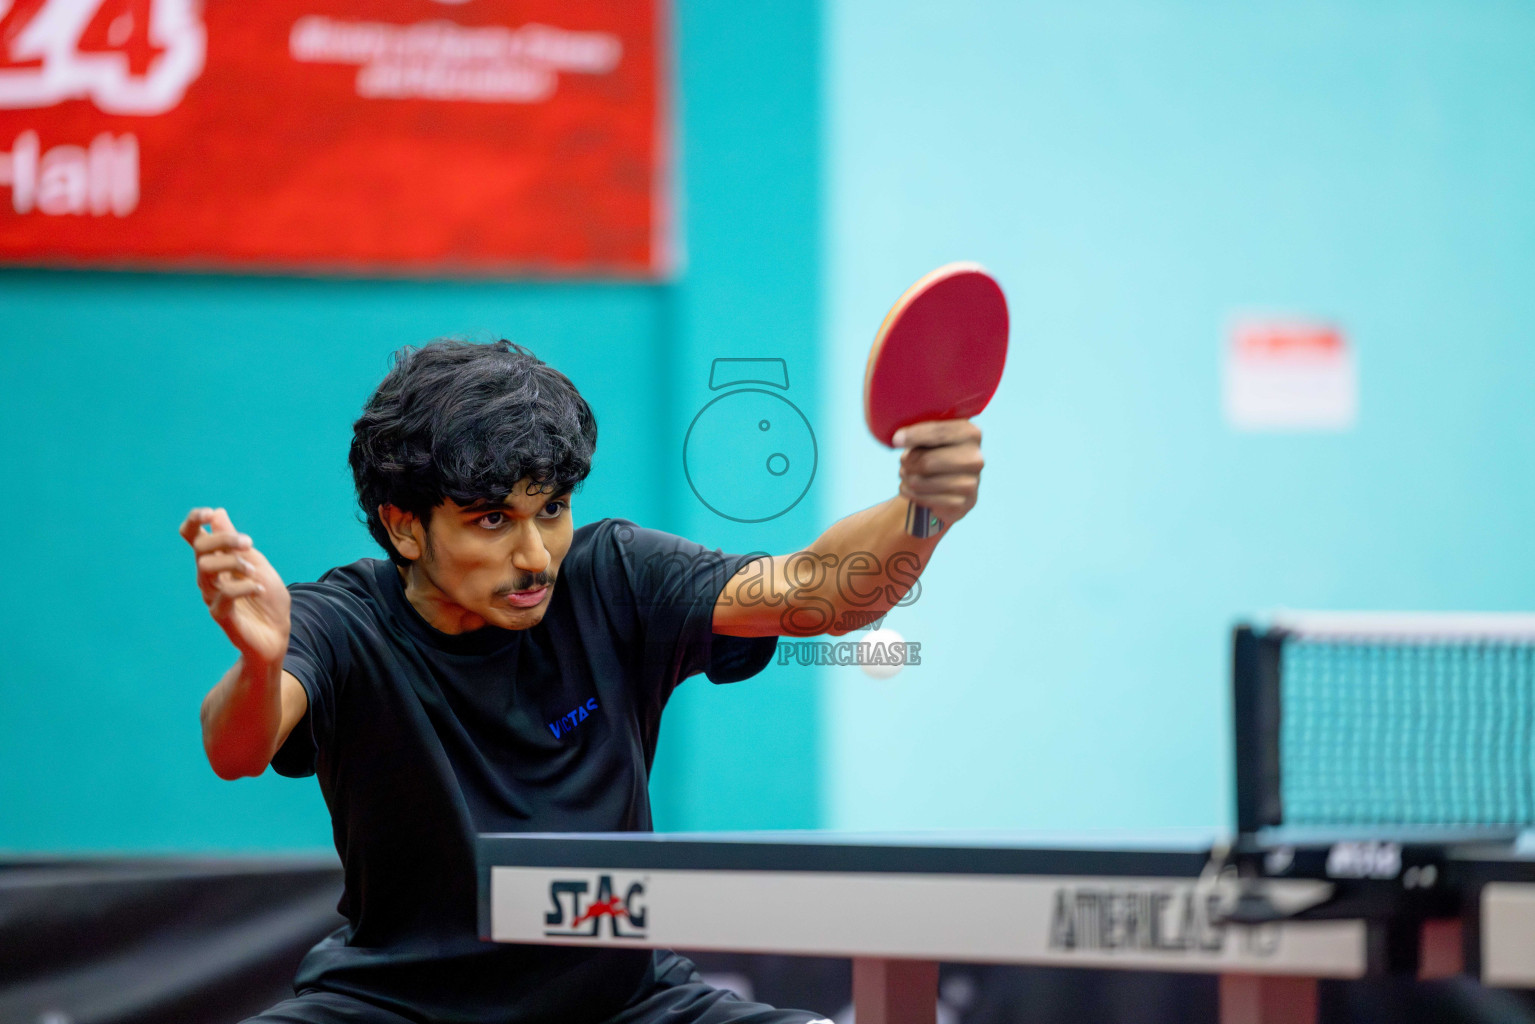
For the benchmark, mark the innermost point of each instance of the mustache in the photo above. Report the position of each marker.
(531, 581)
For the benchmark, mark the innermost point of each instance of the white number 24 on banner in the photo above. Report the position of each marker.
(125, 56)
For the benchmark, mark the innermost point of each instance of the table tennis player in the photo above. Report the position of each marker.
(501, 670)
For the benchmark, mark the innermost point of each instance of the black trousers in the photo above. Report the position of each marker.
(679, 996)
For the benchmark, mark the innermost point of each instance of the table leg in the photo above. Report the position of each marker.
(895, 991)
(1442, 950)
(1266, 999)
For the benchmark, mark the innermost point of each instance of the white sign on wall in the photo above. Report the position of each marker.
(1289, 375)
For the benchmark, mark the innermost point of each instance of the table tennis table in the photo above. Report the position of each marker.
(1385, 783)
(1270, 914)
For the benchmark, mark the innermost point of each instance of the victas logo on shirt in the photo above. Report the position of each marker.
(562, 725)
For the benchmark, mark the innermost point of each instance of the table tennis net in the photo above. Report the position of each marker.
(1379, 720)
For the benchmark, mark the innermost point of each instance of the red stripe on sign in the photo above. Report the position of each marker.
(1286, 340)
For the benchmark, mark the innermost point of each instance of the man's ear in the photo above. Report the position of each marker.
(405, 531)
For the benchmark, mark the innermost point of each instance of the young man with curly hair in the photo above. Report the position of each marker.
(503, 671)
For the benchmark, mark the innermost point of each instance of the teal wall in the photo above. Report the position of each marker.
(1135, 173)
(746, 755)
(130, 398)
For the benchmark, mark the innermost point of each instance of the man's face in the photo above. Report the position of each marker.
(493, 563)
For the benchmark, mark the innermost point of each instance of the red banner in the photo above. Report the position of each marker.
(386, 136)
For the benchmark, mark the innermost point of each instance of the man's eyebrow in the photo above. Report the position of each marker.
(483, 505)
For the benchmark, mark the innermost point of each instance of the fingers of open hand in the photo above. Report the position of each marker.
(207, 543)
(216, 519)
(227, 573)
(221, 567)
(226, 593)
(192, 525)
(232, 587)
(222, 556)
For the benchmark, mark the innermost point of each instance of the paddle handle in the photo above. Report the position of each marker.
(920, 521)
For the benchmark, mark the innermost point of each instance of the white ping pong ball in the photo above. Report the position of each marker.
(866, 644)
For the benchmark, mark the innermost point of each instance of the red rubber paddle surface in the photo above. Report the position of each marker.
(940, 352)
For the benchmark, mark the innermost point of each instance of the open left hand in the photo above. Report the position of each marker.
(941, 466)
(241, 589)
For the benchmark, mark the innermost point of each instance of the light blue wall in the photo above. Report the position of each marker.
(129, 398)
(1135, 173)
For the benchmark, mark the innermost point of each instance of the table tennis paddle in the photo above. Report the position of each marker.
(938, 356)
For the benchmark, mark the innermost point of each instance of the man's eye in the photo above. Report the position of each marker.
(491, 520)
(552, 510)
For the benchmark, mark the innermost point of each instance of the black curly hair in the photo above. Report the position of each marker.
(466, 421)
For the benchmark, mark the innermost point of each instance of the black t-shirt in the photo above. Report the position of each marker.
(421, 739)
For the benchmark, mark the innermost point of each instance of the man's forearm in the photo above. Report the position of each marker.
(241, 718)
(866, 563)
(869, 563)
